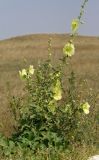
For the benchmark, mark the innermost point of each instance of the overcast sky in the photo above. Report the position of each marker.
(20, 17)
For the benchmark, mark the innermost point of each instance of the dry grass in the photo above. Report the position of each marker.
(17, 53)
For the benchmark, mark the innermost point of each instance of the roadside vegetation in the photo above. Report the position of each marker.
(55, 112)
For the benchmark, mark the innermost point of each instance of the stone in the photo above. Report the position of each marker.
(96, 157)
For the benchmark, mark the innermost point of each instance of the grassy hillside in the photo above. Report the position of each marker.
(17, 53)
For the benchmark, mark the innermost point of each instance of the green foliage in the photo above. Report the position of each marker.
(49, 118)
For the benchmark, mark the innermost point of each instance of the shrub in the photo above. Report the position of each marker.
(50, 118)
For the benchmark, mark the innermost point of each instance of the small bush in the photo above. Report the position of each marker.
(51, 119)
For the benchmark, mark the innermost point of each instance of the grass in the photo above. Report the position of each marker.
(17, 53)
(80, 153)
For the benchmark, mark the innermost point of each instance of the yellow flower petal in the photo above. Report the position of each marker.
(69, 49)
(74, 25)
(31, 70)
(57, 91)
(23, 74)
(86, 107)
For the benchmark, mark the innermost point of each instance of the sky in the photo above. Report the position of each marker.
(23, 17)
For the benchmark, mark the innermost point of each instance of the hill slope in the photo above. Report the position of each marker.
(19, 52)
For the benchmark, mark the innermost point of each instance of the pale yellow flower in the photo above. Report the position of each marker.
(58, 74)
(31, 70)
(57, 91)
(69, 49)
(86, 107)
(74, 25)
(23, 74)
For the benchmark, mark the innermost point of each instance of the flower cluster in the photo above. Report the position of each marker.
(26, 73)
(69, 48)
(57, 91)
(85, 107)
